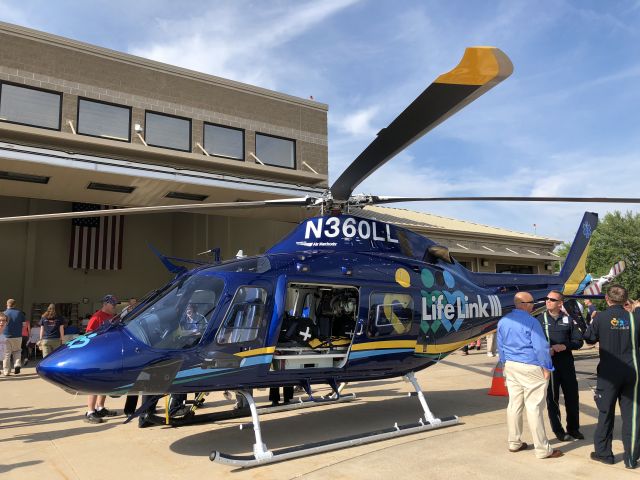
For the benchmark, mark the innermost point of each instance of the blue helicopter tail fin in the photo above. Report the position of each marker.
(574, 271)
(169, 265)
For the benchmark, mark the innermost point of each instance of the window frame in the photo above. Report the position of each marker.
(292, 140)
(93, 100)
(244, 140)
(392, 333)
(29, 87)
(225, 319)
(161, 114)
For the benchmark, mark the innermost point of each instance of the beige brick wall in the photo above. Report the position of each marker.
(47, 62)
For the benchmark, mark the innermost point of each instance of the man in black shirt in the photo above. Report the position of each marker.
(563, 336)
(617, 330)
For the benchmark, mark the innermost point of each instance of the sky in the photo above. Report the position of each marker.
(565, 123)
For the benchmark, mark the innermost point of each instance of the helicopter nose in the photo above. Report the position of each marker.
(88, 364)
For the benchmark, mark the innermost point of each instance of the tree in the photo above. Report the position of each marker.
(617, 238)
(562, 251)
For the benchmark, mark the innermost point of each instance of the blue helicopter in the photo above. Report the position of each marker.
(340, 299)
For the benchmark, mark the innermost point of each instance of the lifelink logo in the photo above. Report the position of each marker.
(444, 305)
(461, 308)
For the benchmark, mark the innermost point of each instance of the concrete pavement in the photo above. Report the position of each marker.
(42, 434)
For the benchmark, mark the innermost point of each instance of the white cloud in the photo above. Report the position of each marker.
(358, 123)
(237, 41)
(11, 13)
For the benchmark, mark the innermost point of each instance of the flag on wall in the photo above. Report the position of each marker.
(96, 242)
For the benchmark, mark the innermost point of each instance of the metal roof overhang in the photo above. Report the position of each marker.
(71, 173)
(504, 254)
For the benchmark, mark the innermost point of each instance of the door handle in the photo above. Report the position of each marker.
(360, 327)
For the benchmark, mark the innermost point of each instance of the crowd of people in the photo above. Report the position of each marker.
(538, 363)
(536, 353)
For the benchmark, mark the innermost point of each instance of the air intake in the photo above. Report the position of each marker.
(106, 187)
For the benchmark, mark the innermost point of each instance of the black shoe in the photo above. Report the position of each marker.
(563, 437)
(92, 418)
(182, 411)
(16, 370)
(576, 434)
(143, 421)
(631, 464)
(606, 460)
(105, 412)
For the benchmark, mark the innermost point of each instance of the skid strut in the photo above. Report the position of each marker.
(261, 455)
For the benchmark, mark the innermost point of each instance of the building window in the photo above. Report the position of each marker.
(99, 119)
(167, 131)
(505, 268)
(280, 152)
(30, 106)
(224, 141)
(466, 264)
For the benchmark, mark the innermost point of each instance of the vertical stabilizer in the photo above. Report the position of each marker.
(574, 270)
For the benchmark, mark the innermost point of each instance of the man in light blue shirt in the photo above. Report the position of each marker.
(524, 351)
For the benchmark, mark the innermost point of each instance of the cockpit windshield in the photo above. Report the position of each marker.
(179, 318)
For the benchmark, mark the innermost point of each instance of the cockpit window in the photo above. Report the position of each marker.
(246, 316)
(178, 319)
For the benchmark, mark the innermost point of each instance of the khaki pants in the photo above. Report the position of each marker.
(48, 345)
(527, 389)
(13, 346)
(492, 343)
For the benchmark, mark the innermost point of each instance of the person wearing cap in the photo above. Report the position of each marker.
(96, 411)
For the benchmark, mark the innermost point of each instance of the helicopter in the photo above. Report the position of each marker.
(340, 299)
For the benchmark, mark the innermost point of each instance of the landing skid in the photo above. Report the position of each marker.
(191, 418)
(261, 455)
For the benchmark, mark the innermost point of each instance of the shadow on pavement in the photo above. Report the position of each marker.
(315, 425)
(13, 466)
(57, 434)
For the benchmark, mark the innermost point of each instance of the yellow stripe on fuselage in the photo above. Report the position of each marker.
(256, 351)
(446, 347)
(479, 66)
(383, 345)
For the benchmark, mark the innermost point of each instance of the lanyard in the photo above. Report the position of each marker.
(546, 326)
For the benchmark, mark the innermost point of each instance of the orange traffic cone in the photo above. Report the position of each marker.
(498, 387)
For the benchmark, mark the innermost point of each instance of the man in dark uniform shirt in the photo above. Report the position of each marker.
(563, 337)
(617, 331)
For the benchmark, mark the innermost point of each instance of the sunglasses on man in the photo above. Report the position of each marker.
(549, 299)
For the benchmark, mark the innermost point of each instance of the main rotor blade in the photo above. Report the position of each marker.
(480, 69)
(286, 202)
(383, 200)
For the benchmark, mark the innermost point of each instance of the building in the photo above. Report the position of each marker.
(82, 125)
(480, 248)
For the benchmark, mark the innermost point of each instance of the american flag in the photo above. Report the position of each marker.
(96, 242)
